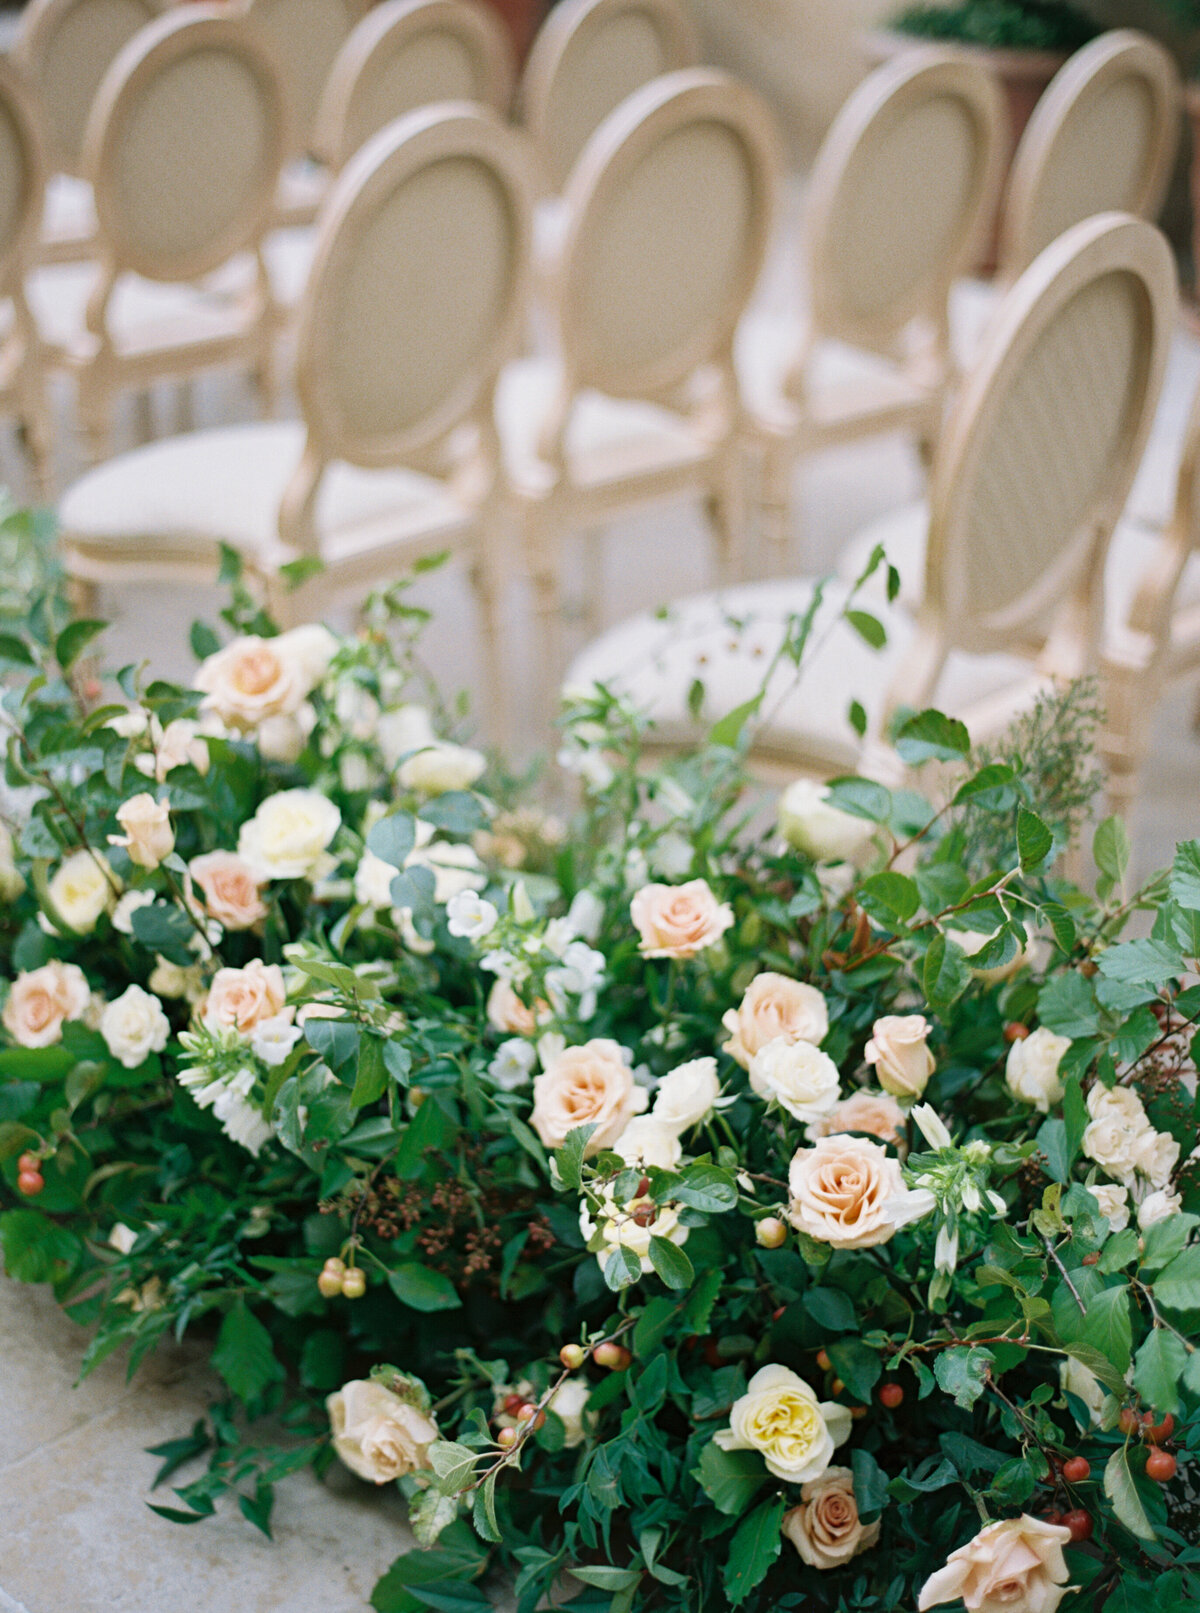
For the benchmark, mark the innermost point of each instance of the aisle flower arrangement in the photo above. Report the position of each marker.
(705, 1197)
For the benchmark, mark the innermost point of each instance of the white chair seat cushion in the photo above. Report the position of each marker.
(972, 304)
(181, 497)
(289, 256)
(143, 315)
(1130, 556)
(69, 213)
(726, 641)
(608, 440)
(846, 386)
(1152, 498)
(302, 187)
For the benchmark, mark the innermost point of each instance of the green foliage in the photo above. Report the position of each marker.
(1001, 24)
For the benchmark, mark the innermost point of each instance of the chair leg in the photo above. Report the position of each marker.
(95, 424)
(540, 537)
(143, 415)
(775, 502)
(84, 598)
(185, 406)
(486, 586)
(726, 507)
(36, 439)
(592, 613)
(265, 377)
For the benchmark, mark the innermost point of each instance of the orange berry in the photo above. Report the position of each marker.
(891, 1395)
(30, 1183)
(1127, 1422)
(1156, 1433)
(1161, 1466)
(1076, 1469)
(1014, 1031)
(1091, 1259)
(823, 1361)
(770, 1232)
(838, 1386)
(857, 1413)
(29, 1163)
(612, 1355)
(506, 1438)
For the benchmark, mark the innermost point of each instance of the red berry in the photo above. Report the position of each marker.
(29, 1163)
(1156, 1433)
(506, 1438)
(1161, 1466)
(838, 1386)
(1079, 1523)
(1053, 1516)
(776, 1314)
(30, 1183)
(823, 1360)
(1076, 1470)
(712, 1352)
(891, 1395)
(1014, 1031)
(612, 1355)
(513, 1404)
(1092, 1259)
(1127, 1422)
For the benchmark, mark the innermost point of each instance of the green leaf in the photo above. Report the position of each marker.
(868, 627)
(1178, 1286)
(1107, 1325)
(569, 1158)
(671, 1264)
(608, 1579)
(653, 1325)
(946, 973)
(393, 837)
(622, 1268)
(1075, 1116)
(730, 1479)
(753, 1549)
(453, 1464)
(1111, 849)
(962, 1372)
(706, 1188)
(870, 1485)
(15, 1138)
(931, 735)
(458, 812)
(728, 730)
(35, 1249)
(422, 1289)
(483, 1516)
(1140, 963)
(1068, 1006)
(1052, 1140)
(371, 1077)
(1158, 1370)
(1185, 875)
(894, 895)
(861, 798)
(244, 1355)
(73, 640)
(994, 781)
(1122, 1492)
(830, 1309)
(164, 929)
(1034, 840)
(1119, 1250)
(857, 1365)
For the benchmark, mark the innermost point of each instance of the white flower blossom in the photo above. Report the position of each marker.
(513, 1064)
(470, 916)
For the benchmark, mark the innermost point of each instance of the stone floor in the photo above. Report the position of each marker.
(75, 1536)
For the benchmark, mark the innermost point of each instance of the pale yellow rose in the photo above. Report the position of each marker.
(254, 678)
(875, 1112)
(440, 767)
(677, 921)
(809, 821)
(647, 1140)
(376, 1434)
(1031, 1069)
(774, 1006)
(148, 837)
(83, 888)
(1114, 1204)
(825, 1528)
(839, 1190)
(1016, 1566)
(12, 880)
(287, 838)
(898, 1050)
(781, 1416)
(41, 1000)
(569, 1404)
(1117, 1132)
(231, 891)
(133, 1026)
(631, 1226)
(685, 1096)
(240, 999)
(588, 1085)
(798, 1076)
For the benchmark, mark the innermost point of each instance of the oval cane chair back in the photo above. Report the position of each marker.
(904, 183)
(670, 207)
(1102, 138)
(417, 293)
(305, 37)
(64, 48)
(407, 54)
(1044, 440)
(184, 145)
(588, 56)
(22, 178)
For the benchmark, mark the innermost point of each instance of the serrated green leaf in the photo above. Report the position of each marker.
(423, 1289)
(1158, 1370)
(371, 1076)
(1122, 1492)
(730, 1479)
(671, 1263)
(1185, 875)
(754, 1547)
(946, 973)
(962, 1372)
(244, 1355)
(1111, 849)
(1177, 1287)
(1034, 840)
(932, 736)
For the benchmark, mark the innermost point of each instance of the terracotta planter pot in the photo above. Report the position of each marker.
(523, 18)
(1023, 75)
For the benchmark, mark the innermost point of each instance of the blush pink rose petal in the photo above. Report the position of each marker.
(240, 999)
(231, 890)
(840, 1189)
(1014, 1565)
(590, 1085)
(774, 1006)
(42, 999)
(677, 921)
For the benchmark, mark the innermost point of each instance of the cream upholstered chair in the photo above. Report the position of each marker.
(406, 54)
(416, 298)
(183, 147)
(671, 205)
(64, 48)
(1031, 469)
(305, 37)
(22, 182)
(905, 181)
(1103, 137)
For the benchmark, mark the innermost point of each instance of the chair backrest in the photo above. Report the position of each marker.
(417, 295)
(1041, 446)
(22, 178)
(670, 208)
(587, 57)
(64, 48)
(1102, 138)
(406, 54)
(305, 36)
(905, 181)
(184, 145)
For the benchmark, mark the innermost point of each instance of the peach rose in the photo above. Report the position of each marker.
(874, 1112)
(825, 1528)
(677, 921)
(254, 678)
(506, 1012)
(1018, 1563)
(774, 1006)
(231, 892)
(148, 837)
(42, 999)
(839, 1191)
(240, 999)
(378, 1435)
(588, 1085)
(897, 1049)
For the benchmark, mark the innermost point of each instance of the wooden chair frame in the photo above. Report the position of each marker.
(22, 376)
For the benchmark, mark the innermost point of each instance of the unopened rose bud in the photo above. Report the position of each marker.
(770, 1232)
(572, 1356)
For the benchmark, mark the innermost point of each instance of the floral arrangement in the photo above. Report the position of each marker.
(696, 1201)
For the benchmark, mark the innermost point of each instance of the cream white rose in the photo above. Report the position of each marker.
(685, 1096)
(631, 1226)
(133, 1026)
(1114, 1204)
(12, 881)
(898, 1049)
(825, 1528)
(441, 767)
(774, 1006)
(840, 1189)
(569, 1405)
(455, 868)
(780, 1416)
(1156, 1155)
(875, 1112)
(506, 1012)
(798, 1076)
(376, 1434)
(404, 729)
(240, 999)
(588, 1085)
(1031, 1069)
(1158, 1206)
(648, 1141)
(288, 837)
(809, 821)
(83, 888)
(42, 1000)
(1117, 1130)
(1010, 1566)
(171, 980)
(254, 678)
(148, 837)
(677, 921)
(230, 889)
